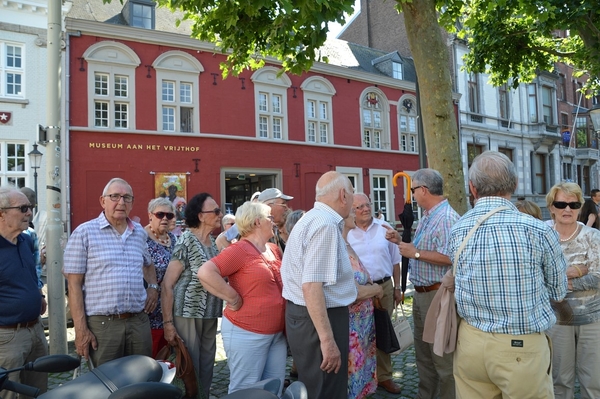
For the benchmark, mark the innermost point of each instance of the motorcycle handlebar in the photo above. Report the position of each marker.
(20, 388)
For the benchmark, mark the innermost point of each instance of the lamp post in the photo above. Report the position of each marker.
(35, 159)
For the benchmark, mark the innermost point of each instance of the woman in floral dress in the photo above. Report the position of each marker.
(362, 360)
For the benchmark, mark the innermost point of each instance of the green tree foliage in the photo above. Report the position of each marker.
(289, 30)
(512, 39)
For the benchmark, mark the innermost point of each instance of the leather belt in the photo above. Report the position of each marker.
(21, 325)
(427, 288)
(383, 280)
(120, 316)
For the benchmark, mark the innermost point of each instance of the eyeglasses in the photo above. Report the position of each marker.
(161, 215)
(22, 208)
(563, 204)
(280, 204)
(216, 211)
(229, 224)
(363, 206)
(117, 197)
(271, 218)
(412, 189)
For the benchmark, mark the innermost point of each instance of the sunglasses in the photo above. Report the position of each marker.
(216, 211)
(22, 208)
(412, 189)
(161, 215)
(563, 205)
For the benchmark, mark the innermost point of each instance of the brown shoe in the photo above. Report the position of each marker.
(390, 386)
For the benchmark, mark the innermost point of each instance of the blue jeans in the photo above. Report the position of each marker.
(252, 357)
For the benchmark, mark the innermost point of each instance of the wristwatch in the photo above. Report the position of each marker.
(155, 286)
(417, 255)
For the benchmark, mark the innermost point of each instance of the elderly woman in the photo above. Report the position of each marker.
(254, 319)
(189, 311)
(362, 359)
(576, 334)
(160, 242)
(228, 221)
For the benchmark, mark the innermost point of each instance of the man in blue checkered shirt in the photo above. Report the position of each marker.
(508, 272)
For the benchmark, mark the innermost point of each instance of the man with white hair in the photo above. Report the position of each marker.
(318, 283)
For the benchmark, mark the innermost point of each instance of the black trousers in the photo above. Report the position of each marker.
(306, 349)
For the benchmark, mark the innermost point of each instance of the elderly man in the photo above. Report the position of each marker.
(22, 336)
(509, 270)
(318, 284)
(428, 263)
(381, 258)
(106, 263)
(279, 210)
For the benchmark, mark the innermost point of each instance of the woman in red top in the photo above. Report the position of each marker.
(254, 319)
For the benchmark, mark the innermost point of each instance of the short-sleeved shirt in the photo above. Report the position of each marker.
(20, 298)
(190, 298)
(377, 254)
(258, 281)
(316, 253)
(112, 265)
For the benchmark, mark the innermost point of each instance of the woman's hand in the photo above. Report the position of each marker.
(577, 271)
(170, 333)
(236, 304)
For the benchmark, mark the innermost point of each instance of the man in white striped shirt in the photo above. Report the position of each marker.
(318, 284)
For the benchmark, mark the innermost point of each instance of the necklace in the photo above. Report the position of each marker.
(163, 242)
(568, 238)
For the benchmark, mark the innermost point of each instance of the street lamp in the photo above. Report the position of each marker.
(35, 159)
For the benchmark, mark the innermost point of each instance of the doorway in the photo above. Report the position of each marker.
(241, 183)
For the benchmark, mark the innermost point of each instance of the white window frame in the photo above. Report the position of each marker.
(115, 60)
(5, 70)
(355, 173)
(372, 136)
(548, 107)
(473, 90)
(408, 140)
(181, 69)
(12, 177)
(397, 70)
(318, 91)
(390, 212)
(271, 123)
(532, 102)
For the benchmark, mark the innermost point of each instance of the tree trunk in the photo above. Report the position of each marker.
(431, 58)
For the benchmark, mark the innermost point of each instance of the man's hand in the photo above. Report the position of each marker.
(391, 234)
(332, 359)
(170, 333)
(407, 249)
(398, 297)
(151, 300)
(83, 339)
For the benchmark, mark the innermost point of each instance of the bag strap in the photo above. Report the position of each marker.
(472, 231)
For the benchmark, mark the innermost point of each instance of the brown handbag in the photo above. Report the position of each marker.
(185, 369)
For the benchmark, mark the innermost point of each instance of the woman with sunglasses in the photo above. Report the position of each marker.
(189, 311)
(254, 319)
(576, 334)
(160, 244)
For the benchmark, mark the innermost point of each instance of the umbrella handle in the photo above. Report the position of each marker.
(395, 183)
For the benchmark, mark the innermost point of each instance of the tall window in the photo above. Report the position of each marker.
(562, 87)
(142, 15)
(567, 171)
(12, 164)
(547, 107)
(374, 122)
(177, 90)
(111, 79)
(397, 70)
(111, 100)
(472, 151)
(564, 121)
(582, 132)
(271, 104)
(379, 192)
(12, 70)
(318, 93)
(408, 126)
(474, 93)
(507, 151)
(503, 102)
(532, 103)
(538, 165)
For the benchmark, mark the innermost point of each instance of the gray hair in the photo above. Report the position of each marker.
(246, 215)
(430, 178)
(227, 218)
(292, 219)
(158, 202)
(6, 193)
(336, 183)
(493, 174)
(115, 180)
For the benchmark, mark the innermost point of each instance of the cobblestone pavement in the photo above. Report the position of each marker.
(404, 366)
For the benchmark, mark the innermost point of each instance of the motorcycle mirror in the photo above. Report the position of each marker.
(53, 364)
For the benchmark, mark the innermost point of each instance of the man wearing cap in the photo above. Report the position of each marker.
(381, 258)
(279, 210)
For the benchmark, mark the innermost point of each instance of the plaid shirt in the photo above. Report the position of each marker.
(112, 264)
(432, 234)
(509, 270)
(316, 252)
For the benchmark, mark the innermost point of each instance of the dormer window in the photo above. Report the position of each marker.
(140, 13)
(397, 70)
